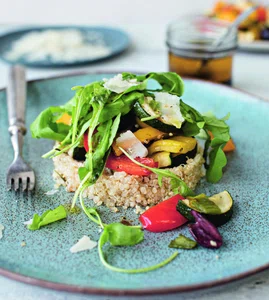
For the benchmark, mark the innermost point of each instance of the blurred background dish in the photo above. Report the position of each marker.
(59, 46)
(253, 33)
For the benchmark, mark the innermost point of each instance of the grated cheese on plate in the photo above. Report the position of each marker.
(57, 45)
(85, 243)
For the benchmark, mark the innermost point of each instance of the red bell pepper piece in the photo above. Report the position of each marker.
(123, 163)
(163, 216)
(85, 141)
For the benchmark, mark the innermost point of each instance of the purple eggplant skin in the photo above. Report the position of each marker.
(205, 233)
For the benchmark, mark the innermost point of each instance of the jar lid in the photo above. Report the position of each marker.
(197, 33)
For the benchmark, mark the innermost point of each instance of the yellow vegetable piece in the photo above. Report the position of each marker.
(169, 145)
(190, 141)
(162, 158)
(65, 119)
(147, 134)
(116, 149)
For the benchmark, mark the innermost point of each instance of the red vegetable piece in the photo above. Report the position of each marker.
(261, 14)
(123, 163)
(163, 216)
(85, 141)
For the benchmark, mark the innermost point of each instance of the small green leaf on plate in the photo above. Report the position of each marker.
(182, 242)
(49, 216)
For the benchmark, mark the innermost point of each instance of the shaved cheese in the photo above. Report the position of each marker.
(118, 85)
(52, 192)
(1, 230)
(85, 243)
(169, 108)
(131, 144)
(29, 222)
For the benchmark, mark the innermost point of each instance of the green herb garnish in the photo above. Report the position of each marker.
(49, 216)
(182, 242)
(118, 234)
(194, 124)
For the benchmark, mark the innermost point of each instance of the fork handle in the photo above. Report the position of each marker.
(16, 98)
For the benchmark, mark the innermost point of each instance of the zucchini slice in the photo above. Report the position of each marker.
(181, 159)
(156, 123)
(224, 202)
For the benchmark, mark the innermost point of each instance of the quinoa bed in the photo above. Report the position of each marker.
(120, 189)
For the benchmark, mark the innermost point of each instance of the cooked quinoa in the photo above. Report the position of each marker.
(120, 189)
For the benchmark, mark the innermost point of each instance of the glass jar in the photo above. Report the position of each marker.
(192, 54)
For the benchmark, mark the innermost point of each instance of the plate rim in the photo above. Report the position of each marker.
(28, 29)
(133, 292)
(258, 46)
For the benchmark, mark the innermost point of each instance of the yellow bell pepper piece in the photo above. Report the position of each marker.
(65, 119)
(147, 134)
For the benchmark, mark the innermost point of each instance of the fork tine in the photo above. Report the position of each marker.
(8, 183)
(16, 183)
(31, 183)
(24, 182)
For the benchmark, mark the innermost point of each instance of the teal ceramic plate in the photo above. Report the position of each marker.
(46, 260)
(114, 39)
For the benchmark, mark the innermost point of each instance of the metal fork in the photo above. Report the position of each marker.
(19, 174)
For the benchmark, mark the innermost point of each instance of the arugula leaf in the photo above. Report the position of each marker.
(122, 235)
(195, 123)
(118, 234)
(49, 216)
(218, 161)
(45, 125)
(182, 242)
(169, 81)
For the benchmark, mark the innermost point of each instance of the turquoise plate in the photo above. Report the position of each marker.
(116, 40)
(46, 260)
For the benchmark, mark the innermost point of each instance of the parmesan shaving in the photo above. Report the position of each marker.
(52, 192)
(65, 45)
(118, 85)
(29, 222)
(85, 243)
(1, 230)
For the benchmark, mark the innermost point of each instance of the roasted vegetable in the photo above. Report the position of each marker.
(163, 159)
(147, 134)
(169, 145)
(163, 216)
(155, 123)
(204, 232)
(124, 164)
(223, 201)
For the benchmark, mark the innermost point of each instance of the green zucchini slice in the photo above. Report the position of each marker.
(156, 123)
(222, 200)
